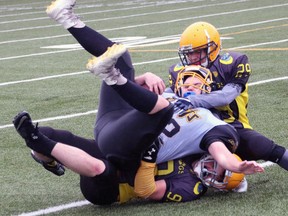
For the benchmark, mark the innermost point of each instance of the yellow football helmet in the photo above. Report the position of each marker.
(201, 73)
(196, 37)
(206, 170)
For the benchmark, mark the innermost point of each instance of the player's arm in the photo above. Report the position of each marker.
(217, 98)
(145, 185)
(225, 159)
(238, 74)
(182, 187)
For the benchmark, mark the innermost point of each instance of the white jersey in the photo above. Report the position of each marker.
(183, 135)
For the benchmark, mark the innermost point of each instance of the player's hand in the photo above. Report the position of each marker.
(250, 167)
(151, 82)
(183, 104)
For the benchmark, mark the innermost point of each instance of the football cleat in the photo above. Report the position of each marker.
(34, 139)
(52, 166)
(24, 126)
(103, 66)
(62, 12)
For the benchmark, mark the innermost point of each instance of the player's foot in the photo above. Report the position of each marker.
(103, 66)
(52, 166)
(24, 126)
(33, 137)
(62, 12)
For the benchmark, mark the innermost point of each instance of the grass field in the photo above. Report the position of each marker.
(42, 70)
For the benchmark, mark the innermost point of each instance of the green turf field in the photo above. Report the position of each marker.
(41, 75)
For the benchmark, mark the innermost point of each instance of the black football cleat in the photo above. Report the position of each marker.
(52, 166)
(24, 126)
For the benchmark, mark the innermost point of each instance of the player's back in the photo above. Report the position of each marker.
(183, 135)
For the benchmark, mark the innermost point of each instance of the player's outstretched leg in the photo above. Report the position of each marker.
(32, 136)
(103, 66)
(62, 12)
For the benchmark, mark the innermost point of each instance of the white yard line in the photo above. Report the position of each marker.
(85, 202)
(95, 111)
(56, 208)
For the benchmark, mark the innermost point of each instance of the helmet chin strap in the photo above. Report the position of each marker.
(205, 64)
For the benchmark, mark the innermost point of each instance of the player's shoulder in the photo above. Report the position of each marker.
(173, 73)
(231, 57)
(175, 68)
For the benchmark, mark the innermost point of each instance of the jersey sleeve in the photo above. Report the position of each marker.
(184, 189)
(217, 98)
(182, 185)
(231, 72)
(239, 69)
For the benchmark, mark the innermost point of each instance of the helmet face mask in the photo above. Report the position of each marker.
(212, 175)
(197, 37)
(203, 75)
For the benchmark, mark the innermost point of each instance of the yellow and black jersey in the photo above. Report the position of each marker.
(233, 68)
(230, 68)
(182, 184)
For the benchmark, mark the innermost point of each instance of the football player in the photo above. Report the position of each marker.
(119, 105)
(200, 44)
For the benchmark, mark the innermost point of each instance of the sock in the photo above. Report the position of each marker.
(284, 161)
(41, 144)
(279, 155)
(137, 96)
(92, 41)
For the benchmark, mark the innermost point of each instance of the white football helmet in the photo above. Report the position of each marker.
(212, 175)
(202, 74)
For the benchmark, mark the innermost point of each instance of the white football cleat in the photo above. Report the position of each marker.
(62, 12)
(103, 66)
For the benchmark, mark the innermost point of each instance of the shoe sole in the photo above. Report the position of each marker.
(56, 6)
(113, 52)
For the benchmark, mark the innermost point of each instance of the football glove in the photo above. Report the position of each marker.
(183, 104)
(52, 166)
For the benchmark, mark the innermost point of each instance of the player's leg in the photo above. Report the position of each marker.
(62, 12)
(72, 157)
(96, 44)
(100, 190)
(123, 140)
(255, 146)
(64, 136)
(140, 98)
